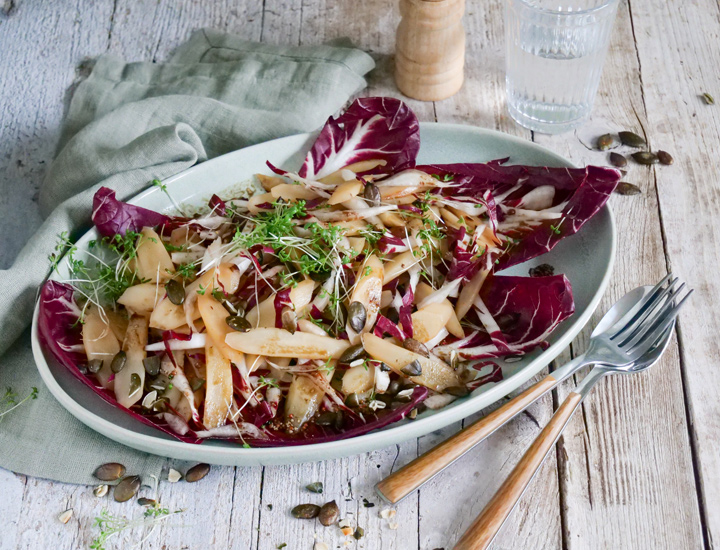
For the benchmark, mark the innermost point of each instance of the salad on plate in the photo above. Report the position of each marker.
(338, 299)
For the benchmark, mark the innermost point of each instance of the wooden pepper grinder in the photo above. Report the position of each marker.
(430, 48)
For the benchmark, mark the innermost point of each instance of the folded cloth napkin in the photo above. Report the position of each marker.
(129, 123)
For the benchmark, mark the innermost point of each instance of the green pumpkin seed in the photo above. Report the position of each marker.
(372, 194)
(665, 158)
(616, 159)
(110, 471)
(632, 139)
(326, 418)
(709, 100)
(152, 364)
(142, 501)
(412, 369)
(457, 391)
(135, 383)
(359, 533)
(94, 365)
(175, 292)
(394, 387)
(645, 157)
(415, 346)
(352, 401)
(197, 472)
(351, 354)
(625, 188)
(315, 487)
(542, 270)
(238, 322)
(118, 362)
(306, 511)
(329, 513)
(126, 489)
(605, 142)
(357, 316)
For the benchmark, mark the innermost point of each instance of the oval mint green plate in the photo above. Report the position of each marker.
(586, 258)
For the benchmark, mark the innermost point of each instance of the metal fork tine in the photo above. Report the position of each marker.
(646, 304)
(650, 337)
(665, 302)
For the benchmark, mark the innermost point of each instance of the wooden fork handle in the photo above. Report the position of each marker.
(481, 533)
(408, 478)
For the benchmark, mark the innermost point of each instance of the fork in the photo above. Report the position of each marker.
(635, 307)
(652, 329)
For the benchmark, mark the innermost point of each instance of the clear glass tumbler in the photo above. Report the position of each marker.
(554, 54)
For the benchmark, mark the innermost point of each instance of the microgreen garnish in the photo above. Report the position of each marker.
(110, 525)
(11, 399)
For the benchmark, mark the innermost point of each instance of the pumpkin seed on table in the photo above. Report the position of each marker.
(65, 516)
(351, 354)
(126, 489)
(329, 513)
(632, 139)
(415, 346)
(625, 188)
(618, 160)
(357, 315)
(372, 194)
(142, 501)
(315, 487)
(197, 472)
(175, 292)
(100, 491)
(605, 142)
(118, 362)
(709, 100)
(152, 364)
(412, 369)
(239, 323)
(110, 471)
(665, 158)
(306, 511)
(359, 533)
(645, 157)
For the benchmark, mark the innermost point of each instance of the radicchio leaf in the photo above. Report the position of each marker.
(583, 191)
(60, 333)
(381, 128)
(113, 217)
(535, 306)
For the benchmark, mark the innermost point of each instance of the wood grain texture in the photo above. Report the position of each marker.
(483, 530)
(420, 470)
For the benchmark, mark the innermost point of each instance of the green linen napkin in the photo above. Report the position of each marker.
(128, 124)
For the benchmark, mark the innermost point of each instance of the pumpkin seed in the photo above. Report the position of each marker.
(329, 513)
(126, 489)
(135, 383)
(372, 194)
(665, 158)
(142, 501)
(94, 365)
(238, 322)
(118, 362)
(110, 471)
(632, 139)
(326, 418)
(605, 142)
(289, 320)
(357, 316)
(197, 472)
(175, 292)
(542, 270)
(457, 391)
(351, 354)
(709, 100)
(315, 487)
(616, 159)
(394, 387)
(152, 364)
(149, 399)
(306, 511)
(197, 383)
(412, 415)
(65, 516)
(352, 400)
(415, 346)
(645, 157)
(359, 533)
(625, 188)
(412, 369)
(100, 491)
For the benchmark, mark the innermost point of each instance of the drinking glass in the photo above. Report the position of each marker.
(554, 54)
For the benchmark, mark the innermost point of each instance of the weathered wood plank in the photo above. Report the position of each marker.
(677, 49)
(625, 469)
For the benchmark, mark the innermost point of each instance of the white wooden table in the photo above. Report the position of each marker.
(638, 467)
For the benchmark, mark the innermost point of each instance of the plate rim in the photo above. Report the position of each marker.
(344, 447)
